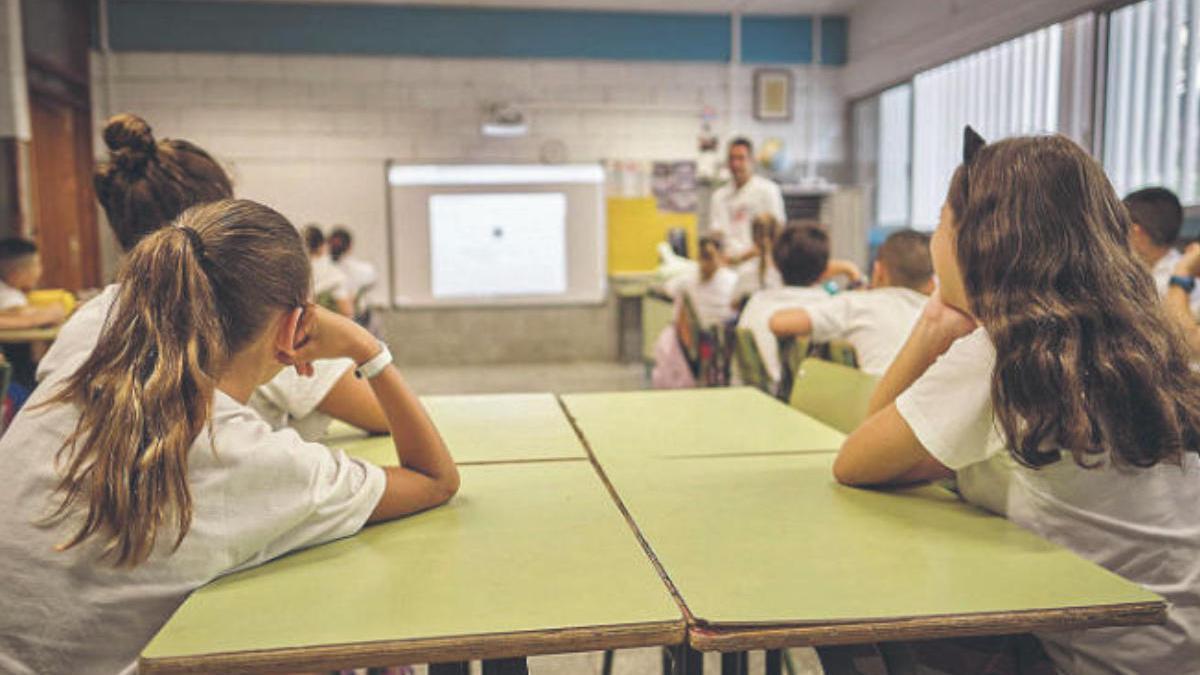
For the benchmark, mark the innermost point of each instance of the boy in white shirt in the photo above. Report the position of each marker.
(1157, 219)
(802, 257)
(877, 321)
(20, 272)
(328, 281)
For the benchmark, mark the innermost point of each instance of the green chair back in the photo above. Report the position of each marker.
(327, 301)
(833, 393)
(841, 351)
(792, 352)
(749, 361)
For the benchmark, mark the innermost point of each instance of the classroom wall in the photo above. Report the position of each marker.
(310, 134)
(892, 40)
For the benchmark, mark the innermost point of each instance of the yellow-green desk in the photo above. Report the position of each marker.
(529, 558)
(765, 550)
(22, 335)
(482, 429)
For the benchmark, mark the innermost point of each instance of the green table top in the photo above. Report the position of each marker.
(528, 558)
(482, 429)
(696, 422)
(774, 541)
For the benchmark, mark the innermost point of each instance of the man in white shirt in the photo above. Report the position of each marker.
(736, 204)
(1157, 218)
(878, 321)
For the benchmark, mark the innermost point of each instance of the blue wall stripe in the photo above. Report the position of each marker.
(414, 30)
(777, 39)
(153, 25)
(834, 38)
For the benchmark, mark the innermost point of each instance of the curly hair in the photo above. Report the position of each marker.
(1087, 361)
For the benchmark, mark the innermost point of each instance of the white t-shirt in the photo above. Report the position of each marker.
(1139, 523)
(11, 297)
(1162, 276)
(757, 313)
(876, 322)
(261, 494)
(281, 402)
(733, 211)
(327, 278)
(713, 299)
(359, 274)
(748, 282)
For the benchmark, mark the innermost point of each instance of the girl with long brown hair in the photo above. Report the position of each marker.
(145, 184)
(1046, 375)
(137, 473)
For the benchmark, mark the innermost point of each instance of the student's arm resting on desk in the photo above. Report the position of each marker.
(427, 475)
(884, 450)
(1178, 302)
(352, 401)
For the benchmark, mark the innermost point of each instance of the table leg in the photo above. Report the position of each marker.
(774, 662)
(735, 663)
(459, 668)
(682, 660)
(516, 666)
(606, 669)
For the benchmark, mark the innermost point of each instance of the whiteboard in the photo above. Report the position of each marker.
(497, 234)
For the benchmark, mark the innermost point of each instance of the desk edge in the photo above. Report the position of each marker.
(715, 637)
(432, 650)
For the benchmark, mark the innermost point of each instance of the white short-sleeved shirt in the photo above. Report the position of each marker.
(11, 297)
(261, 494)
(359, 274)
(734, 209)
(327, 278)
(1162, 271)
(876, 322)
(713, 299)
(1139, 523)
(756, 316)
(281, 402)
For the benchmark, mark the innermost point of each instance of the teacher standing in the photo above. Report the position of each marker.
(736, 204)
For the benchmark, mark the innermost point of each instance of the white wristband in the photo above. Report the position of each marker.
(375, 364)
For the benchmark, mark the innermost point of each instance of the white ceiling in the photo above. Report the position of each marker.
(711, 6)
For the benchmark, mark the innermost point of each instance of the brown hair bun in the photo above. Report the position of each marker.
(130, 142)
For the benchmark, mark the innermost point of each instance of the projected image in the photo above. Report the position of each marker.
(497, 244)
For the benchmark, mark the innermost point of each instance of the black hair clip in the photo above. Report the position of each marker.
(972, 142)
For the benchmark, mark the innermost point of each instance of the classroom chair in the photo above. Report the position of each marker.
(749, 360)
(833, 393)
(792, 352)
(707, 350)
(327, 301)
(837, 351)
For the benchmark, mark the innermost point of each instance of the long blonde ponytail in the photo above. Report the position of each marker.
(191, 296)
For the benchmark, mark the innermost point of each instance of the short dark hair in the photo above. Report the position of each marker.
(340, 240)
(1158, 212)
(14, 252)
(744, 142)
(313, 238)
(715, 240)
(905, 256)
(802, 253)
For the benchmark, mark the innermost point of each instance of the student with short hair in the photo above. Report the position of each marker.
(876, 321)
(802, 258)
(1046, 342)
(137, 473)
(20, 272)
(144, 185)
(330, 285)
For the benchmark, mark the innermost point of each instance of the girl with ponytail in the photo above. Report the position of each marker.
(1045, 374)
(137, 473)
(144, 185)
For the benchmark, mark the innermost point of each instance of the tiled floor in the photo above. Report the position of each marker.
(566, 378)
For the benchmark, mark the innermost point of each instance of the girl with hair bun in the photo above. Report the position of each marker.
(137, 473)
(146, 184)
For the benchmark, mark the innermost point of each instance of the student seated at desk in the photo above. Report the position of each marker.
(140, 474)
(20, 272)
(759, 272)
(877, 321)
(330, 284)
(144, 185)
(1046, 341)
(710, 289)
(802, 256)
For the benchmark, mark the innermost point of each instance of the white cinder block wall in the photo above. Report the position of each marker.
(310, 134)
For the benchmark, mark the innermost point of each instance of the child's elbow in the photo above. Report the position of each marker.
(846, 470)
(448, 486)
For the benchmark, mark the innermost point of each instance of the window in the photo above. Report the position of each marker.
(882, 125)
(1012, 88)
(1151, 115)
